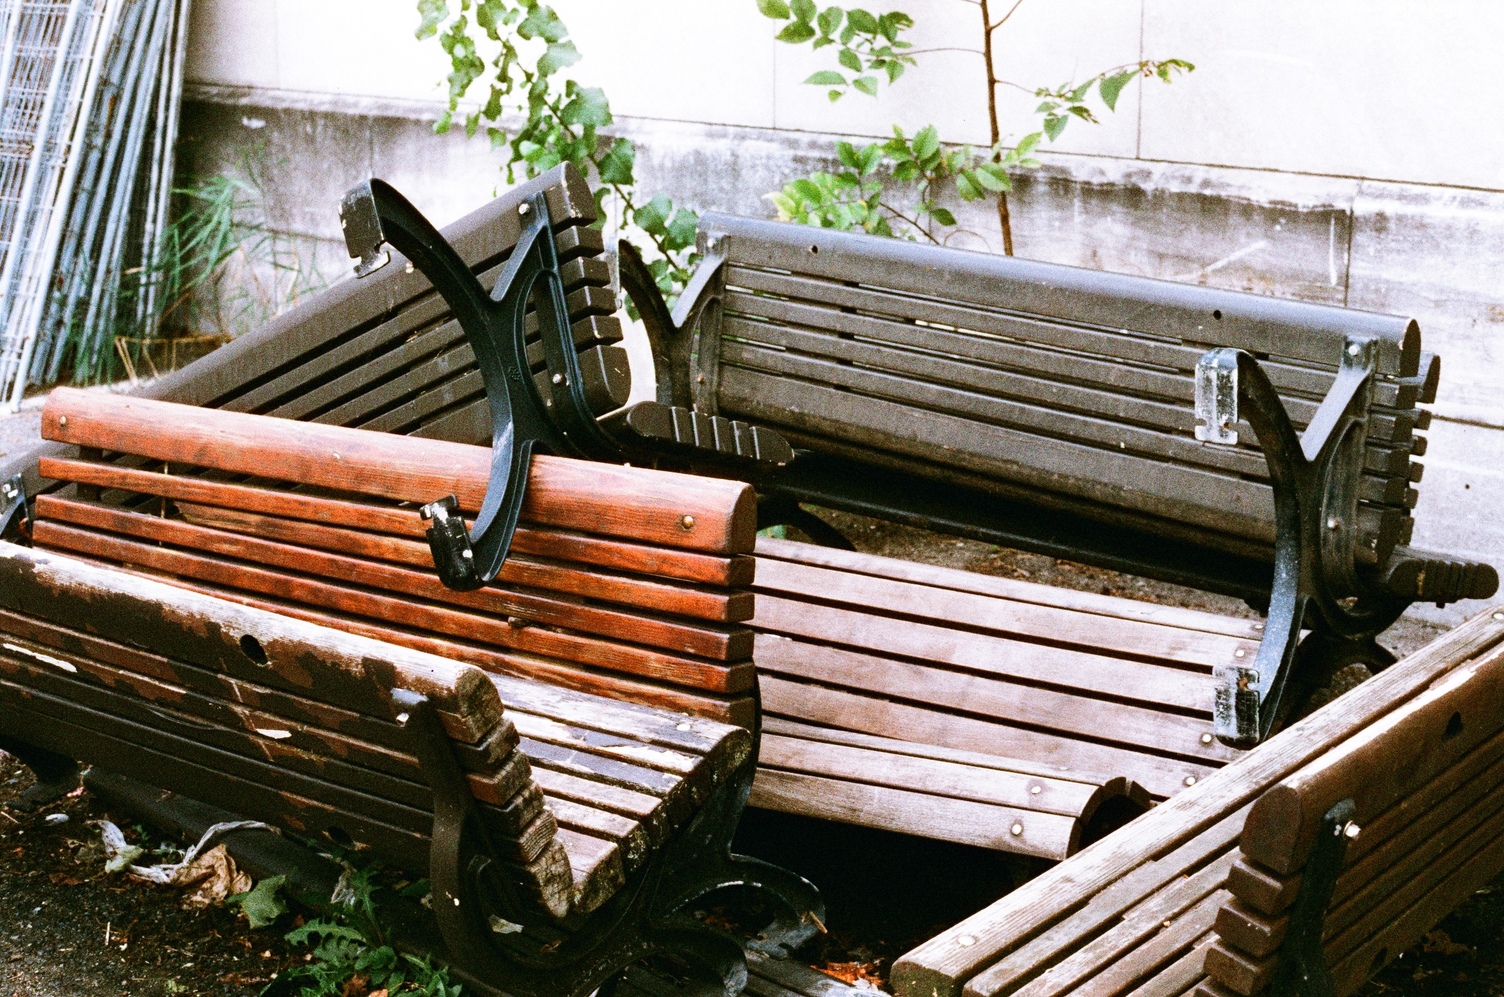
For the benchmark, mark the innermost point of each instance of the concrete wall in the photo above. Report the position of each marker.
(1331, 152)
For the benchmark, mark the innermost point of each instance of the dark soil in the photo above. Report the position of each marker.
(885, 892)
(66, 928)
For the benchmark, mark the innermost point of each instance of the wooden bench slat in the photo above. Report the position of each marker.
(1205, 499)
(1011, 589)
(1382, 841)
(301, 562)
(560, 493)
(1083, 297)
(1164, 874)
(1113, 359)
(551, 575)
(593, 550)
(354, 667)
(1079, 673)
(1000, 615)
(596, 866)
(885, 762)
(231, 723)
(1053, 755)
(1063, 713)
(985, 825)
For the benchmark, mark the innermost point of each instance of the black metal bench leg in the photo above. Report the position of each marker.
(56, 775)
(1302, 970)
(1315, 478)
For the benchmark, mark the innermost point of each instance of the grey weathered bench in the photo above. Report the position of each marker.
(1229, 888)
(1126, 422)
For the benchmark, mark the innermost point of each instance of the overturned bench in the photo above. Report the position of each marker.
(1214, 892)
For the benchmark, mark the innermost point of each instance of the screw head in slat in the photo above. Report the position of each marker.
(686, 522)
(1016, 829)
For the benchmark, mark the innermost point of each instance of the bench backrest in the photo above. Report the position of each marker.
(625, 582)
(1072, 387)
(288, 721)
(1421, 815)
(383, 353)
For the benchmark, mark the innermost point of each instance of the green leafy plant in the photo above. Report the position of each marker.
(870, 46)
(519, 51)
(352, 954)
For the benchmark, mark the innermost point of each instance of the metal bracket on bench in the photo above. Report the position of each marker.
(373, 213)
(1302, 970)
(1315, 479)
(15, 508)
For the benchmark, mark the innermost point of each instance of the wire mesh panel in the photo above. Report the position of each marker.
(89, 96)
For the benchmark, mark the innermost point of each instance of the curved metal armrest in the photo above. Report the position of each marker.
(522, 422)
(1315, 478)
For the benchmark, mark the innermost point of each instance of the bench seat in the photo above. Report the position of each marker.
(984, 710)
(1166, 905)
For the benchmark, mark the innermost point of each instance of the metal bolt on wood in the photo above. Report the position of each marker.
(687, 522)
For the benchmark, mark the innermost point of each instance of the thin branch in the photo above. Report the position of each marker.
(913, 222)
(1016, 86)
(1004, 19)
(927, 51)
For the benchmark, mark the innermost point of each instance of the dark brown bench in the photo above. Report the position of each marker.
(1116, 420)
(1171, 904)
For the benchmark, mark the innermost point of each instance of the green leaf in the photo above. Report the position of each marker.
(796, 33)
(984, 177)
(906, 172)
(433, 13)
(1026, 144)
(891, 23)
(895, 70)
(968, 190)
(830, 20)
(850, 60)
(774, 8)
(871, 157)
(866, 84)
(848, 32)
(1113, 86)
(846, 153)
(681, 230)
(260, 904)
(804, 10)
(1079, 94)
(864, 22)
(542, 22)
(942, 216)
(615, 167)
(926, 142)
(827, 78)
(835, 95)
(807, 189)
(558, 56)
(587, 107)
(653, 217)
(1054, 124)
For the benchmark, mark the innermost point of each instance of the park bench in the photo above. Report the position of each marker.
(563, 834)
(1125, 422)
(1231, 886)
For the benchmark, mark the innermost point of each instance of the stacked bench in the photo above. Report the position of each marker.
(547, 821)
(1171, 904)
(1130, 423)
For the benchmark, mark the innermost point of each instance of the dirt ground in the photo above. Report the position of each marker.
(68, 929)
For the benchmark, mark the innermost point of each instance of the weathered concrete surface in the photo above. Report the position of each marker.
(1429, 252)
